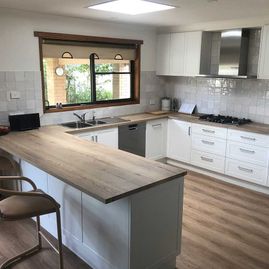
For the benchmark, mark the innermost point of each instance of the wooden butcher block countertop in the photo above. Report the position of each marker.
(102, 172)
(253, 127)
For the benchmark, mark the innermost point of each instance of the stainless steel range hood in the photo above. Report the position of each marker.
(225, 54)
(234, 53)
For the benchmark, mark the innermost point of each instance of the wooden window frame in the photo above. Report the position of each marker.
(135, 99)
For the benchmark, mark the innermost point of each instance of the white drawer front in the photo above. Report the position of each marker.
(248, 153)
(249, 138)
(249, 172)
(86, 136)
(209, 144)
(208, 161)
(209, 130)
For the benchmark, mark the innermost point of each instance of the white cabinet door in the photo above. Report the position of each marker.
(179, 140)
(209, 144)
(106, 232)
(248, 138)
(40, 178)
(193, 44)
(87, 136)
(70, 200)
(246, 171)
(212, 131)
(177, 54)
(208, 161)
(108, 137)
(163, 54)
(248, 153)
(156, 139)
(263, 65)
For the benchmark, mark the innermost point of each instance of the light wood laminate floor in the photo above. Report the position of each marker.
(224, 227)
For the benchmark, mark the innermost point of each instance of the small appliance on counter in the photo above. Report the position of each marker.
(24, 122)
(166, 104)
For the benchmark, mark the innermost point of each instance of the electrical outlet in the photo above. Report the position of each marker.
(152, 102)
(14, 95)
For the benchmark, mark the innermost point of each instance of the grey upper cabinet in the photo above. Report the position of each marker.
(178, 54)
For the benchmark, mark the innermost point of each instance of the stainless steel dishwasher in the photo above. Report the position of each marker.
(132, 138)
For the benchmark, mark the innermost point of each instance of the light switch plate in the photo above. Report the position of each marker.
(15, 95)
(152, 102)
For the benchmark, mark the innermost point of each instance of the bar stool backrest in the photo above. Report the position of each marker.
(9, 167)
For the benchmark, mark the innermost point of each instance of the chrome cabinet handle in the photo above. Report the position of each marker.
(247, 151)
(207, 159)
(157, 125)
(208, 131)
(248, 138)
(245, 169)
(208, 142)
(96, 138)
(189, 131)
(92, 138)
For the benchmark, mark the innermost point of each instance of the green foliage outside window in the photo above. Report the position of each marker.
(78, 84)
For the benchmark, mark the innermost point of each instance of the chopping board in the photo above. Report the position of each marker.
(160, 112)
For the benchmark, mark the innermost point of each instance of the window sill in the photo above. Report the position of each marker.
(92, 106)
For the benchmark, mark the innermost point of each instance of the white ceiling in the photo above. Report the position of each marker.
(187, 11)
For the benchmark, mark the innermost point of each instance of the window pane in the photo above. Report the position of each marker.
(73, 86)
(112, 66)
(113, 87)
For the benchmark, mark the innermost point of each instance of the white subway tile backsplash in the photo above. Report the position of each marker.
(2, 77)
(29, 76)
(28, 84)
(236, 97)
(19, 76)
(10, 76)
(3, 106)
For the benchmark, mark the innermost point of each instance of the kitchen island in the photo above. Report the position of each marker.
(119, 211)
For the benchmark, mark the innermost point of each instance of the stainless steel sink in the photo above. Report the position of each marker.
(91, 123)
(95, 122)
(76, 125)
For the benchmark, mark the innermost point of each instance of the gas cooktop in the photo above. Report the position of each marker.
(224, 119)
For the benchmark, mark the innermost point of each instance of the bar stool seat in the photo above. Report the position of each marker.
(20, 207)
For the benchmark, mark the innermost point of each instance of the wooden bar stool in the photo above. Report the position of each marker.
(8, 166)
(22, 205)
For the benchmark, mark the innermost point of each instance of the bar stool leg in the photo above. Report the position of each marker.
(59, 231)
(38, 232)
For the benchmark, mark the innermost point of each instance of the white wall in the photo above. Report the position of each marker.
(20, 68)
(19, 48)
(217, 25)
